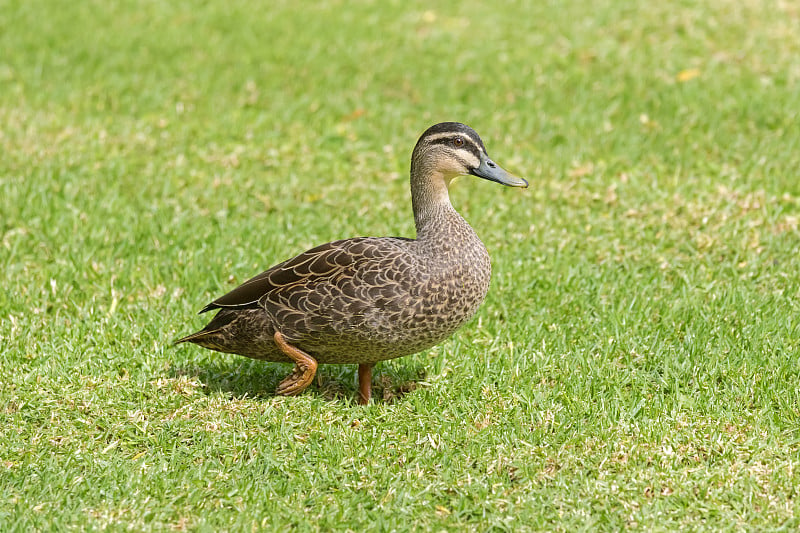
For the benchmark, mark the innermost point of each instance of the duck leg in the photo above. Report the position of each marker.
(364, 383)
(305, 367)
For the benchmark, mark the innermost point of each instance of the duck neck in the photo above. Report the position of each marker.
(433, 212)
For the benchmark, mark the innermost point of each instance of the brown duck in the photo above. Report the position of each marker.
(369, 299)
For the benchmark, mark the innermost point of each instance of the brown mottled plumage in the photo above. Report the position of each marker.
(368, 299)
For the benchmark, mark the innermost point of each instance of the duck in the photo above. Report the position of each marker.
(368, 299)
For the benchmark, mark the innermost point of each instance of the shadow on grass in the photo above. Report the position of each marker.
(244, 377)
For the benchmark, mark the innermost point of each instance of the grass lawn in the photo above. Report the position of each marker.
(634, 366)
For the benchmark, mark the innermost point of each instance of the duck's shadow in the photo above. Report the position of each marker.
(258, 379)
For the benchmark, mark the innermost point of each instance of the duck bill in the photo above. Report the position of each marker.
(489, 170)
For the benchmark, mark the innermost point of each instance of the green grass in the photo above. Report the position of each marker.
(635, 365)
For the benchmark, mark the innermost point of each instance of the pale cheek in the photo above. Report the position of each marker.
(455, 168)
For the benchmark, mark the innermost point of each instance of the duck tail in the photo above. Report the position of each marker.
(194, 337)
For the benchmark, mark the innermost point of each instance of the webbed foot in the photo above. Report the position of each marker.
(305, 368)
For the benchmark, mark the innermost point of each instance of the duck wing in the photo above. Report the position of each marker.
(327, 262)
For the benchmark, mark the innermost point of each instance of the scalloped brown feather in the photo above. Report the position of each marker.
(351, 301)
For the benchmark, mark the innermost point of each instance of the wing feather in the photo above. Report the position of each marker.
(289, 284)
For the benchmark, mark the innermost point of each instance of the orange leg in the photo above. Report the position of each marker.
(364, 383)
(305, 368)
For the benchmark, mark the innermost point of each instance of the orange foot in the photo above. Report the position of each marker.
(305, 368)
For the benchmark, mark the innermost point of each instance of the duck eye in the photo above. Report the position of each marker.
(458, 142)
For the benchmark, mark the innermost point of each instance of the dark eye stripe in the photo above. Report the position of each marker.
(469, 145)
(451, 129)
